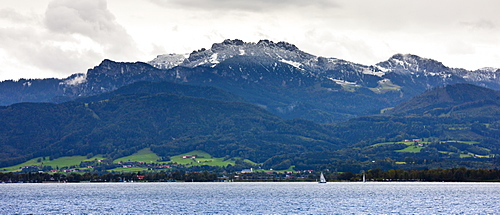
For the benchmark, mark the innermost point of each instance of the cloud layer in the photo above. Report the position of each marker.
(69, 37)
(55, 38)
(93, 20)
(245, 5)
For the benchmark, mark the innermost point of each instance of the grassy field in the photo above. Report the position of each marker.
(466, 142)
(59, 162)
(202, 158)
(131, 169)
(411, 149)
(384, 87)
(144, 155)
(250, 162)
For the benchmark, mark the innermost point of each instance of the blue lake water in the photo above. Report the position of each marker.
(251, 198)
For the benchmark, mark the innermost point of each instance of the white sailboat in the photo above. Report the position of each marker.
(322, 178)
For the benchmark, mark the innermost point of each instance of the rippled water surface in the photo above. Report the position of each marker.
(251, 198)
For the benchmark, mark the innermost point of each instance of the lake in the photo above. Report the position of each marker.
(251, 198)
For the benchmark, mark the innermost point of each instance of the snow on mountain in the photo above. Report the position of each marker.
(415, 65)
(489, 69)
(412, 64)
(417, 68)
(293, 63)
(168, 61)
(480, 75)
(220, 52)
(421, 71)
(281, 51)
(246, 60)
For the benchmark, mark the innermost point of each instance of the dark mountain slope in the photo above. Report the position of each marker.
(287, 91)
(169, 124)
(445, 113)
(448, 100)
(30, 90)
(151, 88)
(34, 129)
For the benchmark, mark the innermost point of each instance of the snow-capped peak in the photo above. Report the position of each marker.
(334, 69)
(167, 61)
(408, 63)
(489, 69)
(280, 51)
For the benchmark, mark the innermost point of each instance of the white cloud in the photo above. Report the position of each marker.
(61, 37)
(12, 15)
(93, 20)
(245, 5)
(70, 37)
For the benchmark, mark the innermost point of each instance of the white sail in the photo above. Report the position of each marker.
(322, 178)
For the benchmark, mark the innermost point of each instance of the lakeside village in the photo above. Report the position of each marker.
(105, 165)
(104, 170)
(441, 175)
(461, 174)
(193, 168)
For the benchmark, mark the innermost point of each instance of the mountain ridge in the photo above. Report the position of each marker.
(172, 119)
(444, 100)
(278, 76)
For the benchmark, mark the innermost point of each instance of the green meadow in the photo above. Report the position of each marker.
(144, 155)
(130, 169)
(202, 158)
(45, 161)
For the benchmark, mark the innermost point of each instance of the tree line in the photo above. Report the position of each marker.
(162, 176)
(461, 174)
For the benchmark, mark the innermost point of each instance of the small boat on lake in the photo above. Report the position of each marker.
(322, 178)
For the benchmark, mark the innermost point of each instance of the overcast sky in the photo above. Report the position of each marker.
(56, 38)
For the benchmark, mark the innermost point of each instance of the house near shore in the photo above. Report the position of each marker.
(247, 170)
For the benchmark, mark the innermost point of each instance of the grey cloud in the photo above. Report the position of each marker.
(31, 47)
(57, 47)
(480, 25)
(246, 5)
(12, 15)
(83, 17)
(93, 20)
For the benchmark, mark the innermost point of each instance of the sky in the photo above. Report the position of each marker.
(57, 38)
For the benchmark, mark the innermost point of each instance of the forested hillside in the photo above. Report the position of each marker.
(170, 124)
(452, 126)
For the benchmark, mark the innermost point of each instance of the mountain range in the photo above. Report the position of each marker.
(457, 123)
(267, 102)
(276, 76)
